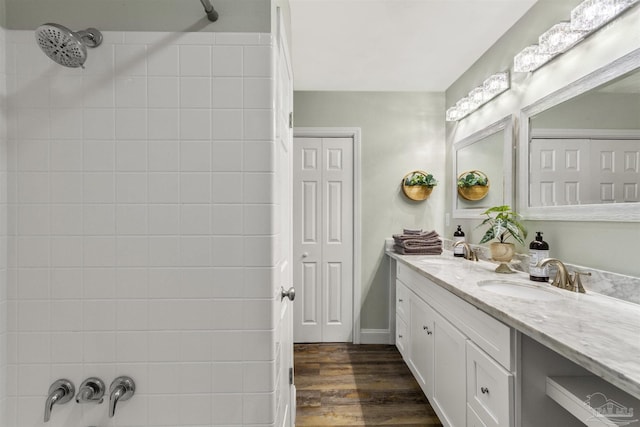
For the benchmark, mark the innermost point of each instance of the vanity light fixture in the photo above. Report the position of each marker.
(586, 18)
(530, 59)
(490, 88)
(559, 38)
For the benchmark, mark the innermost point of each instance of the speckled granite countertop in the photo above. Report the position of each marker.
(599, 333)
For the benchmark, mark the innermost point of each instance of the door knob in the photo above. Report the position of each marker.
(305, 254)
(291, 293)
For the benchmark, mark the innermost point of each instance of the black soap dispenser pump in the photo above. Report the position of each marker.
(538, 250)
(458, 236)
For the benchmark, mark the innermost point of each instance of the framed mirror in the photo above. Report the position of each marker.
(579, 148)
(489, 151)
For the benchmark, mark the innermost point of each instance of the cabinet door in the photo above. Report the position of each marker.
(402, 337)
(402, 300)
(421, 347)
(449, 376)
(489, 388)
(473, 420)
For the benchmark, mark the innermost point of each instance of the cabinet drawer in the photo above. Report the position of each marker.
(473, 420)
(402, 338)
(489, 388)
(402, 300)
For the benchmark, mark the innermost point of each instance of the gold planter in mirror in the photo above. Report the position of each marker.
(473, 185)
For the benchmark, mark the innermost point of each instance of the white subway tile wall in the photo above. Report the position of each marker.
(30, 287)
(140, 217)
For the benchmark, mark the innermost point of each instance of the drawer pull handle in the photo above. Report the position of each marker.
(426, 328)
(399, 336)
(400, 300)
(484, 390)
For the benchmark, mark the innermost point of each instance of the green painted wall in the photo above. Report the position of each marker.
(401, 132)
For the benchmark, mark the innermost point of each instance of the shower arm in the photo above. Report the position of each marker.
(211, 12)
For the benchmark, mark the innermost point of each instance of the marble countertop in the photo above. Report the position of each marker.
(599, 333)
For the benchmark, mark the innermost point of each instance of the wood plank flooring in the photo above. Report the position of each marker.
(341, 384)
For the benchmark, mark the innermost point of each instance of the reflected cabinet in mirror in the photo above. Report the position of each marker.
(579, 153)
(486, 155)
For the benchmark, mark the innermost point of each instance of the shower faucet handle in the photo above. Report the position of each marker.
(121, 389)
(61, 391)
(91, 391)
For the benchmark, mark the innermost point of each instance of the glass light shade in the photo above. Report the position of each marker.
(530, 59)
(464, 107)
(559, 38)
(495, 85)
(591, 14)
(452, 114)
(476, 97)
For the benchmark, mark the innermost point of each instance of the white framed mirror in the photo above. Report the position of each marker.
(579, 148)
(490, 151)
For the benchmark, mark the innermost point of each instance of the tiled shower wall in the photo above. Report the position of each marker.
(140, 228)
(3, 231)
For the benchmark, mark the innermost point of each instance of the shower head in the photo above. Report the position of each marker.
(66, 47)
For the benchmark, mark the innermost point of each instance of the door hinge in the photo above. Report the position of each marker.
(290, 376)
(291, 120)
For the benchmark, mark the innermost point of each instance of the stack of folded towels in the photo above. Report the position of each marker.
(417, 242)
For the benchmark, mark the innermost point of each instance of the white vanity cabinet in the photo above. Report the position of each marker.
(462, 358)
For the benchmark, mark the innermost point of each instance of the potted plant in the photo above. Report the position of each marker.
(473, 185)
(417, 185)
(503, 223)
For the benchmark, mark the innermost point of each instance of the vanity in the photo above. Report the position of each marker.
(489, 350)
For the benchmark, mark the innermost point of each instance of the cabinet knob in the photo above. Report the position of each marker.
(484, 390)
(399, 336)
(426, 328)
(400, 300)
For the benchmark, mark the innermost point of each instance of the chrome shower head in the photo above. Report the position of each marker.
(66, 47)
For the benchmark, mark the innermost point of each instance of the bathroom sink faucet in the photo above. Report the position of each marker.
(469, 253)
(563, 279)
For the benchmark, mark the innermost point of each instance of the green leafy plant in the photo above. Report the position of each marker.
(419, 178)
(503, 223)
(471, 179)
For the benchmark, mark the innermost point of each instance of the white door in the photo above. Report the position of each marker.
(283, 276)
(323, 239)
(615, 166)
(559, 172)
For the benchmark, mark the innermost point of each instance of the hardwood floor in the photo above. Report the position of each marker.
(357, 385)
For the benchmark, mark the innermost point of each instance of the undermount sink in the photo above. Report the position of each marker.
(520, 290)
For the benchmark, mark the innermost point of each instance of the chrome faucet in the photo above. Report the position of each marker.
(121, 389)
(61, 391)
(469, 253)
(563, 279)
(91, 391)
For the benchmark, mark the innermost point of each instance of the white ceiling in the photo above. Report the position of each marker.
(393, 45)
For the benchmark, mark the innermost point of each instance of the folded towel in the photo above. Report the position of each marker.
(415, 243)
(427, 236)
(413, 232)
(418, 251)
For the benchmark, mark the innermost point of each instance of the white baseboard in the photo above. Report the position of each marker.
(376, 336)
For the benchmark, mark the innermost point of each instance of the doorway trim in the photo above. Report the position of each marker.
(353, 133)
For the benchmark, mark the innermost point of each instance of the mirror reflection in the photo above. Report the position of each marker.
(487, 151)
(586, 150)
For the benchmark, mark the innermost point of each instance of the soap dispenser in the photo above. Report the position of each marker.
(538, 250)
(458, 236)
